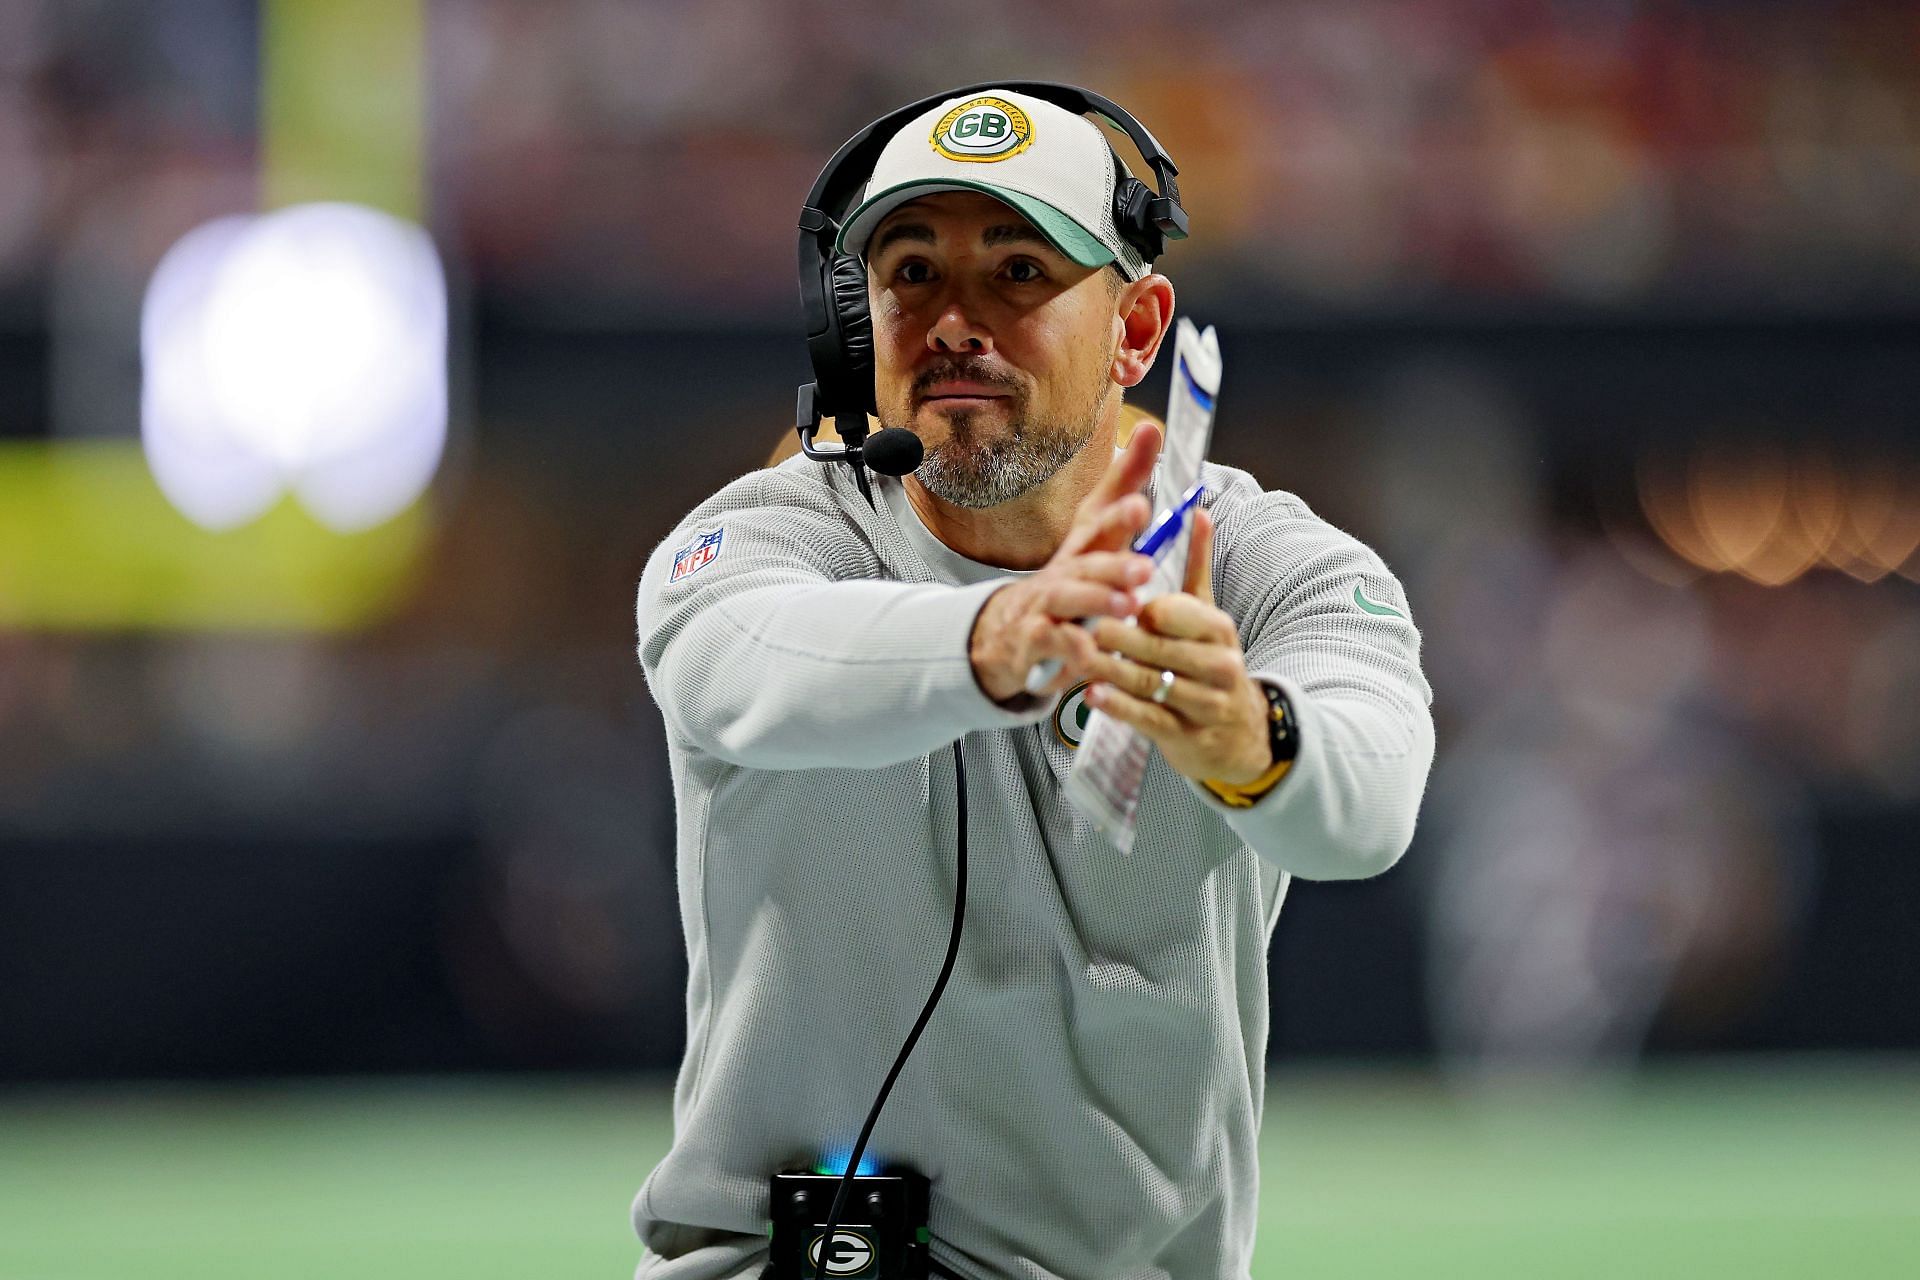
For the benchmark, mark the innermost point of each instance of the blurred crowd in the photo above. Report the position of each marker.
(607, 156)
(1631, 831)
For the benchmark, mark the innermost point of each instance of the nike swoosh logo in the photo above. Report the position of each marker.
(1369, 606)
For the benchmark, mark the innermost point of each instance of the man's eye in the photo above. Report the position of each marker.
(913, 273)
(1024, 271)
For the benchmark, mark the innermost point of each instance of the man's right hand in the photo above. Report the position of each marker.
(1093, 573)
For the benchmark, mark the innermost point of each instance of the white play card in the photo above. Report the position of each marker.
(1112, 759)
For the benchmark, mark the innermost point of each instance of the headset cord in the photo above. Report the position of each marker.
(926, 1013)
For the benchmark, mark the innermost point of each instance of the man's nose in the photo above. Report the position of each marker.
(955, 329)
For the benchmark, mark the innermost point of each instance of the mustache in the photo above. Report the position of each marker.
(963, 370)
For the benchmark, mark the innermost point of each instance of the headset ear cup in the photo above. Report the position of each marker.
(1130, 197)
(855, 323)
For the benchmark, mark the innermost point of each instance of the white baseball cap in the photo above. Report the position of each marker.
(1055, 168)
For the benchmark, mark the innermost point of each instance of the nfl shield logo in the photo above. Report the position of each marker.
(696, 555)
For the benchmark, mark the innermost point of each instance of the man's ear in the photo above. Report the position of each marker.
(1145, 314)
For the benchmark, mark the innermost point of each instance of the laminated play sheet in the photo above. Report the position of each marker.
(1112, 759)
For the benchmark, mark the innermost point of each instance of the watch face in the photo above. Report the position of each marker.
(1280, 733)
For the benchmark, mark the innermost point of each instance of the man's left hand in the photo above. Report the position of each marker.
(1213, 724)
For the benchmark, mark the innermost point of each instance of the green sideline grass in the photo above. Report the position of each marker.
(1794, 1170)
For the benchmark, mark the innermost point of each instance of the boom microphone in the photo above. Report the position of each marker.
(893, 452)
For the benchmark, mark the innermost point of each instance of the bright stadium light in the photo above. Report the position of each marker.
(304, 349)
(199, 466)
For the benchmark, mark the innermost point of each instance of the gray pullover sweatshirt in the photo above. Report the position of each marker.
(1087, 1098)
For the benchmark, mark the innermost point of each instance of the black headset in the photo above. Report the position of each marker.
(833, 286)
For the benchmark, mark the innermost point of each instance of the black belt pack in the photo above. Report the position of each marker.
(882, 1233)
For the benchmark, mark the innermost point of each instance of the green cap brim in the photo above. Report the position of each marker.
(1062, 232)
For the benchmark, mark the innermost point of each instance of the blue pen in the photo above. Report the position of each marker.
(1168, 526)
(1154, 542)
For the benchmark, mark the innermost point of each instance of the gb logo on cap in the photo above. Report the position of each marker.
(983, 130)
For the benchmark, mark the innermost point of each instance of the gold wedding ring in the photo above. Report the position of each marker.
(1159, 695)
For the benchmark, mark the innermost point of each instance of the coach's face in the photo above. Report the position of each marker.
(1002, 354)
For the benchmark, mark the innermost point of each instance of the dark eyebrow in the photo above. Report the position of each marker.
(920, 233)
(901, 231)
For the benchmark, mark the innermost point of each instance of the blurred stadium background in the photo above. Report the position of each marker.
(337, 924)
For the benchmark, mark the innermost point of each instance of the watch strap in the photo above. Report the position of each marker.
(1283, 740)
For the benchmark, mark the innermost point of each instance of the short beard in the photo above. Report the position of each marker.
(975, 474)
(967, 472)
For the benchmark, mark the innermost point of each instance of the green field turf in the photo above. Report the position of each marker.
(1798, 1170)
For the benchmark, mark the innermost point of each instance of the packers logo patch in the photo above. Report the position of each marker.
(1071, 715)
(983, 130)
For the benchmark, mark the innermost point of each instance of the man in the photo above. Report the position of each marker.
(1087, 1096)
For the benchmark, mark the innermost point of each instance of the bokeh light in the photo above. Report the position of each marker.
(1770, 516)
(301, 350)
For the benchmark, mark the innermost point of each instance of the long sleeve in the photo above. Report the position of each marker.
(1322, 617)
(778, 643)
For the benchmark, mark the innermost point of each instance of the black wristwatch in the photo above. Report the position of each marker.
(1282, 735)
(1283, 741)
